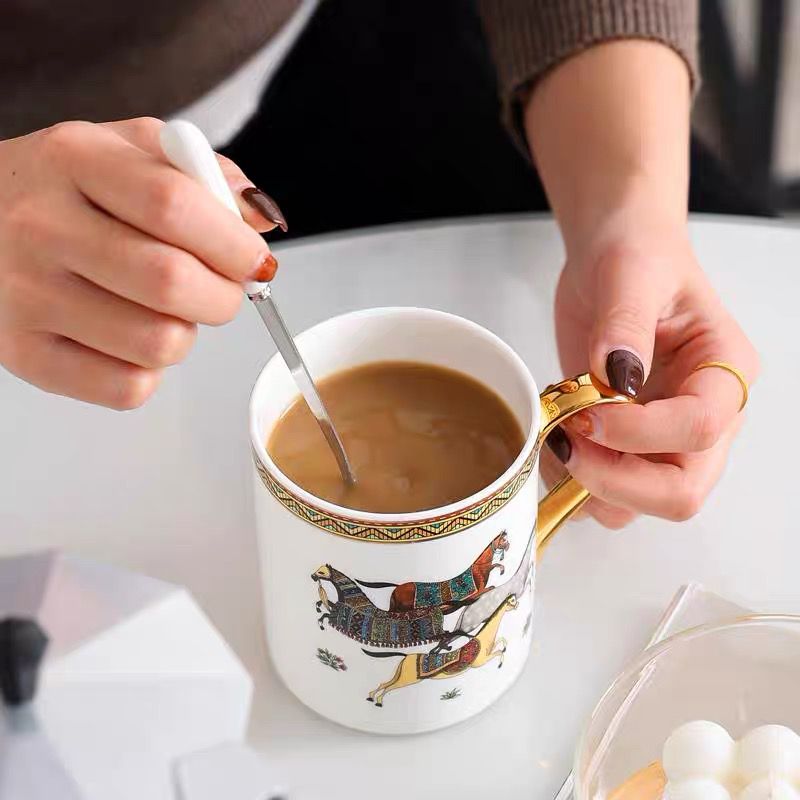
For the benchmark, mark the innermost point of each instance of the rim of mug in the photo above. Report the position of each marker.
(414, 517)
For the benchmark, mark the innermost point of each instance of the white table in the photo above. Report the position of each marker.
(166, 490)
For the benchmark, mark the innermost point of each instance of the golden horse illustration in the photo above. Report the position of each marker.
(478, 651)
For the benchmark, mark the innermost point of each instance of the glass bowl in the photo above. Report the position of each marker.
(740, 674)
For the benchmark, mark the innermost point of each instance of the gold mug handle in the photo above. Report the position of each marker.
(559, 402)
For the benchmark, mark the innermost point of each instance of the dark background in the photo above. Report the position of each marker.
(376, 118)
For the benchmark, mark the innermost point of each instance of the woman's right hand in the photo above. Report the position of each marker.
(109, 258)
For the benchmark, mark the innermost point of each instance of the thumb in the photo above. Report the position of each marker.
(628, 301)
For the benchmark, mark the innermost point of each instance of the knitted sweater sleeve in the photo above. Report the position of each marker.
(529, 37)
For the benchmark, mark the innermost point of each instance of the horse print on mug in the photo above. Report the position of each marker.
(417, 616)
(416, 610)
(476, 613)
(357, 617)
(477, 652)
(449, 594)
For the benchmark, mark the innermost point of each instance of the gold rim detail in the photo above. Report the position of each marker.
(434, 528)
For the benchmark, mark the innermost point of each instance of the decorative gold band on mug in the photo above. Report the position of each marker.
(558, 401)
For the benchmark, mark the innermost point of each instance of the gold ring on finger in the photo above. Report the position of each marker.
(737, 373)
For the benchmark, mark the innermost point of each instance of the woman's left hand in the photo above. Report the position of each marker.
(635, 304)
(609, 131)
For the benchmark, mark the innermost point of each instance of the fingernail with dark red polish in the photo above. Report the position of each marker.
(266, 269)
(625, 372)
(265, 206)
(559, 443)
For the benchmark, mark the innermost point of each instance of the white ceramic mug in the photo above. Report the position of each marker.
(361, 607)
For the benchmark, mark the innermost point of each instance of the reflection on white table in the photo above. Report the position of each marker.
(129, 660)
(166, 490)
(229, 772)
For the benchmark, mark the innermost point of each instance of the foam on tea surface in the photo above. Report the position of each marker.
(418, 436)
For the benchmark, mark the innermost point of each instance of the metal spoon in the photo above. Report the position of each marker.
(188, 150)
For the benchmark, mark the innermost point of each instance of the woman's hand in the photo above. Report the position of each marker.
(109, 258)
(609, 129)
(637, 306)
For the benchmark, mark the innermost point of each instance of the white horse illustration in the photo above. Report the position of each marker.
(476, 614)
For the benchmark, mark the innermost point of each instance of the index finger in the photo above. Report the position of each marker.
(694, 420)
(144, 133)
(152, 196)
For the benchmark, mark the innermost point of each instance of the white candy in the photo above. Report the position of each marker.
(769, 749)
(698, 749)
(696, 789)
(770, 788)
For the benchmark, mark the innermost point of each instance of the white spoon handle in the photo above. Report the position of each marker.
(188, 150)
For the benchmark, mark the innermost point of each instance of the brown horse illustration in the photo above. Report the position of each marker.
(416, 667)
(357, 617)
(449, 594)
